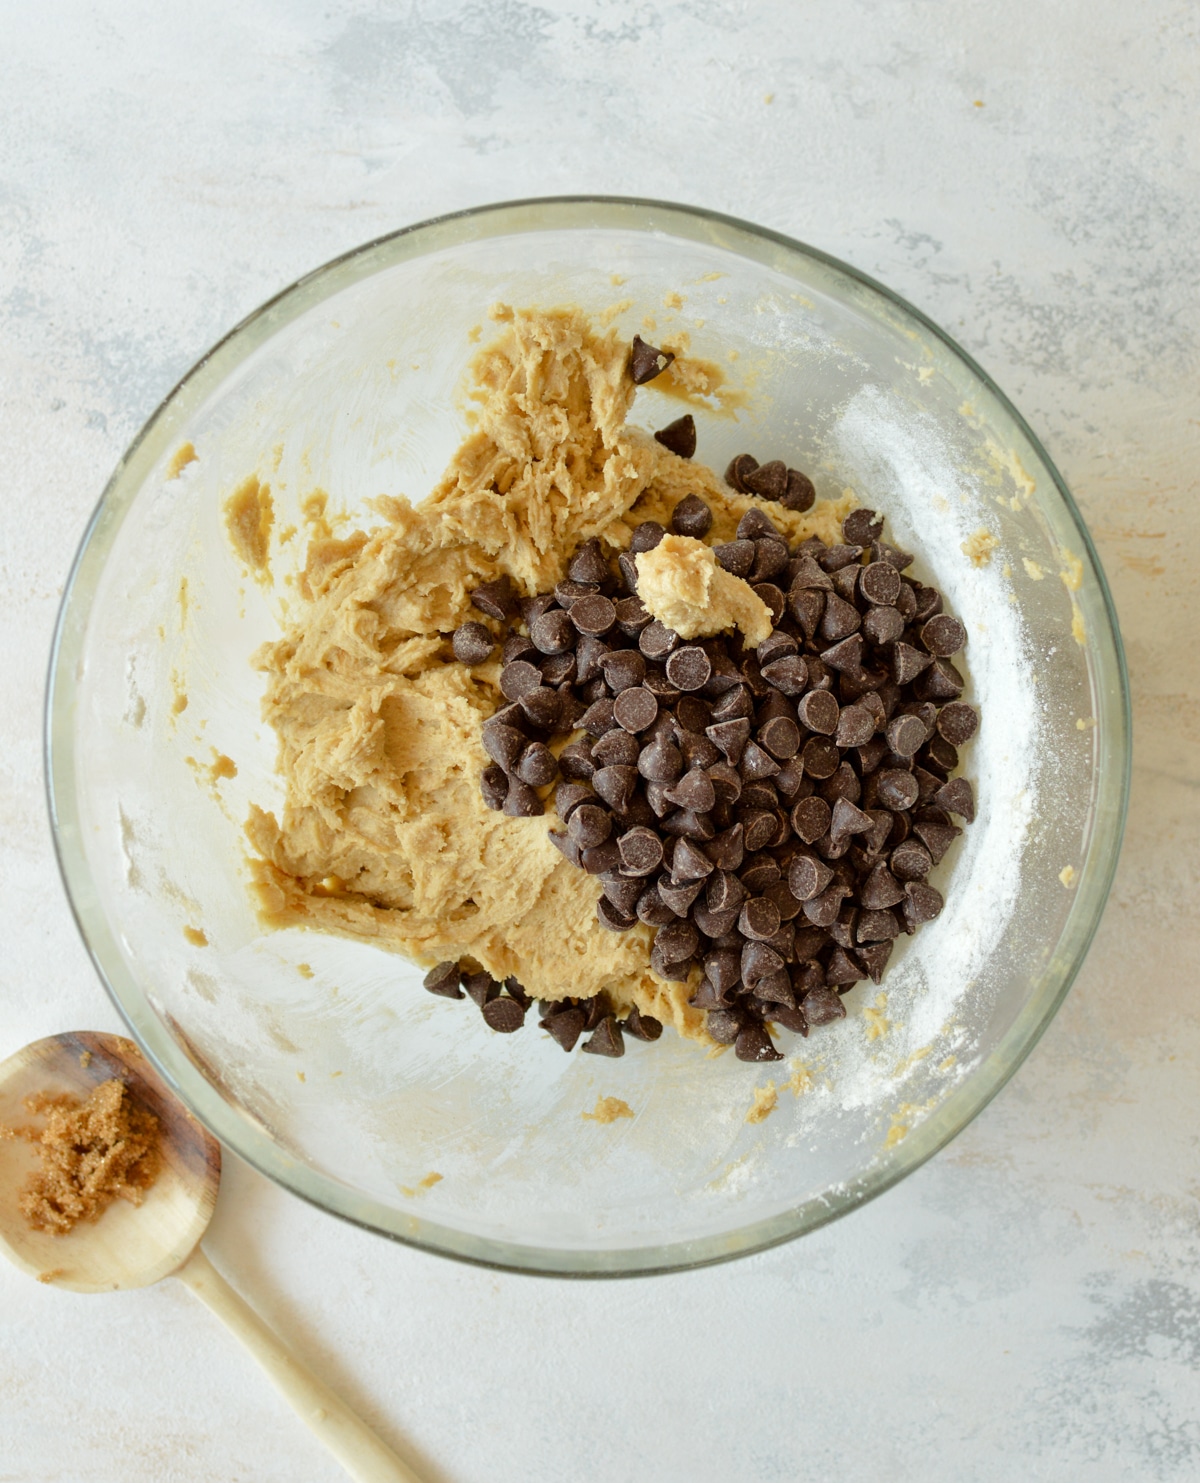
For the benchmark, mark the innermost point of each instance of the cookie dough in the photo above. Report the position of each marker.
(384, 836)
(683, 587)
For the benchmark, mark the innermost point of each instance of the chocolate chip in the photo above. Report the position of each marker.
(943, 635)
(647, 361)
(726, 850)
(521, 802)
(808, 877)
(724, 1025)
(768, 480)
(641, 851)
(881, 551)
(472, 644)
(496, 599)
(758, 961)
(607, 1040)
(504, 1015)
(615, 785)
(789, 674)
(848, 819)
(481, 987)
(598, 718)
(906, 603)
(845, 657)
(897, 789)
(652, 909)
(656, 640)
(799, 493)
(536, 765)
(881, 889)
(759, 919)
(755, 525)
(503, 744)
(937, 838)
(958, 722)
(811, 819)
(820, 712)
(882, 626)
(772, 597)
(660, 762)
(693, 791)
(741, 465)
(553, 632)
(689, 667)
(593, 615)
(558, 669)
(730, 737)
(635, 709)
(678, 897)
(879, 583)
(567, 594)
(589, 825)
(781, 737)
(820, 757)
(941, 681)
(691, 516)
(678, 942)
(957, 797)
(841, 619)
(823, 910)
(542, 707)
(601, 858)
(753, 1043)
(844, 784)
(905, 734)
(566, 1026)
(612, 918)
(646, 536)
(908, 663)
(622, 892)
(588, 564)
(757, 763)
(911, 861)
(862, 527)
(822, 1006)
(928, 603)
(632, 616)
(922, 903)
(839, 559)
(842, 970)
(689, 863)
(493, 784)
(736, 557)
(444, 980)
(770, 560)
(735, 703)
(518, 677)
(616, 748)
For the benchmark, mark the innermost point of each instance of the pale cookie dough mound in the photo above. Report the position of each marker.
(683, 587)
(384, 835)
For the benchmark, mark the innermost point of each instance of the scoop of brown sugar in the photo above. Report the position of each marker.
(91, 1153)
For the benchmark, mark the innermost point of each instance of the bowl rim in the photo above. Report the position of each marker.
(1111, 771)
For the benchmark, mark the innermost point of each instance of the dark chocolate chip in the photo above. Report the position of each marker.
(848, 819)
(518, 677)
(589, 825)
(943, 635)
(616, 748)
(911, 861)
(504, 1015)
(660, 762)
(922, 903)
(842, 970)
(568, 593)
(808, 877)
(770, 560)
(724, 1025)
(734, 703)
(588, 564)
(908, 663)
(896, 788)
(622, 891)
(632, 616)
(727, 849)
(823, 910)
(773, 597)
(607, 1040)
(820, 757)
(622, 669)
(601, 858)
(565, 845)
(937, 838)
(693, 791)
(799, 493)
(877, 926)
(929, 603)
(566, 1026)
(855, 726)
(881, 551)
(879, 583)
(736, 557)
(757, 763)
(616, 786)
(689, 667)
(689, 863)
(503, 744)
(652, 909)
(493, 784)
(646, 536)
(905, 734)
(741, 465)
(811, 819)
(759, 919)
(536, 765)
(521, 802)
(820, 712)
(781, 737)
(553, 632)
(881, 889)
(755, 524)
(769, 480)
(958, 722)
(678, 897)
(558, 669)
(862, 527)
(730, 737)
(497, 599)
(472, 644)
(691, 517)
(598, 718)
(646, 362)
(641, 851)
(957, 797)
(753, 1043)
(941, 681)
(444, 980)
(612, 918)
(656, 640)
(593, 615)
(635, 709)
(874, 958)
(789, 674)
(845, 657)
(822, 1006)
(542, 707)
(882, 626)
(841, 619)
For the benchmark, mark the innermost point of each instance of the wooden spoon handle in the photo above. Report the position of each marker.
(363, 1454)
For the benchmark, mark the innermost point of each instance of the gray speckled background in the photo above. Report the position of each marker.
(1028, 1304)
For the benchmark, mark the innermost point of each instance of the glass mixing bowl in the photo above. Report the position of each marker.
(321, 1061)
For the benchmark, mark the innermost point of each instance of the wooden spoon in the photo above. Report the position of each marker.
(133, 1246)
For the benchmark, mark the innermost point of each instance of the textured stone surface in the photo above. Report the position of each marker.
(1028, 1305)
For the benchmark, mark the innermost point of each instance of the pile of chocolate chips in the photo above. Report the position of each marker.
(773, 813)
(504, 1005)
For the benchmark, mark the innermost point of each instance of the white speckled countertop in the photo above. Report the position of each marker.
(1028, 1304)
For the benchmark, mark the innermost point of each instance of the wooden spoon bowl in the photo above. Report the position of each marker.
(131, 1245)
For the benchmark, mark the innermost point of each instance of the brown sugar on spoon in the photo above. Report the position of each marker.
(91, 1153)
